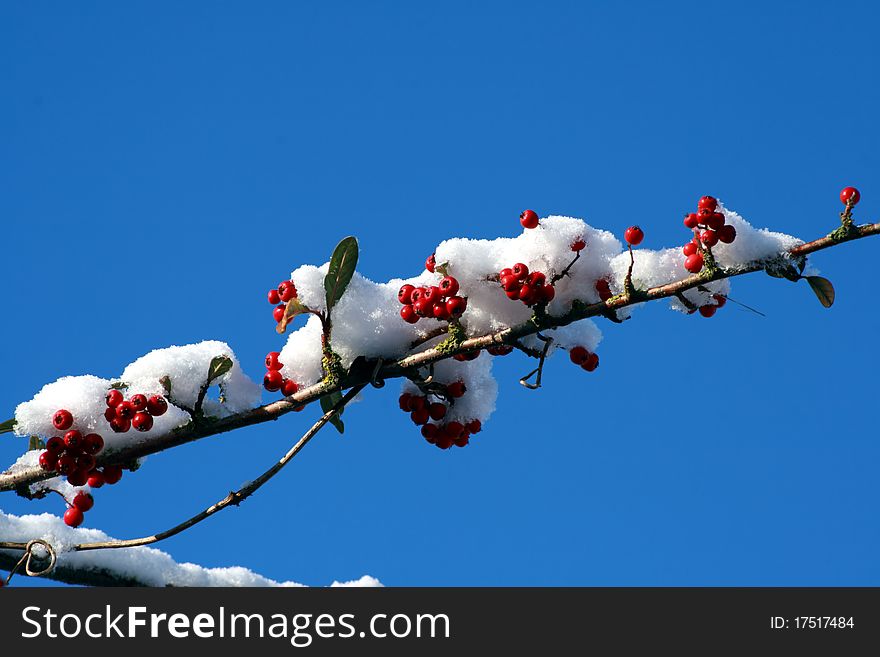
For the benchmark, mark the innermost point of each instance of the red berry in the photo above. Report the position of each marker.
(272, 362)
(520, 271)
(513, 295)
(448, 286)
(720, 300)
(417, 403)
(471, 355)
(274, 297)
(709, 238)
(440, 311)
(110, 414)
(83, 501)
(500, 350)
(634, 235)
(139, 402)
(591, 363)
(727, 233)
(73, 440)
(429, 431)
(528, 219)
(408, 314)
(437, 411)
(456, 306)
(420, 416)
(66, 464)
(273, 380)
(849, 195)
(536, 278)
(142, 422)
(689, 249)
(432, 294)
(403, 402)
(423, 307)
(509, 283)
(85, 462)
(474, 426)
(578, 355)
(287, 291)
(120, 425)
(463, 440)
(96, 479)
(444, 440)
(156, 405)
(78, 477)
(691, 220)
(578, 245)
(707, 203)
(404, 294)
(47, 460)
(93, 443)
(125, 411)
(454, 429)
(507, 271)
(456, 389)
(527, 294)
(604, 289)
(289, 387)
(62, 420)
(113, 398)
(55, 445)
(430, 263)
(73, 517)
(694, 263)
(546, 293)
(417, 294)
(715, 220)
(278, 313)
(708, 311)
(112, 474)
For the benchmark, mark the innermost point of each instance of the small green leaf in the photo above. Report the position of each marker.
(166, 385)
(35, 442)
(783, 270)
(8, 426)
(341, 269)
(219, 366)
(327, 403)
(823, 289)
(118, 385)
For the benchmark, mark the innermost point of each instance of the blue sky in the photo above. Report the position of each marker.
(164, 164)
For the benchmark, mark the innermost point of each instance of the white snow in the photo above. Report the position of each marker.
(150, 566)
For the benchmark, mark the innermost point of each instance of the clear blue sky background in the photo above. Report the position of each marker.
(163, 164)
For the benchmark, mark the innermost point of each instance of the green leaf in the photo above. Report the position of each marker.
(823, 289)
(327, 403)
(35, 442)
(219, 366)
(118, 385)
(783, 270)
(8, 426)
(342, 265)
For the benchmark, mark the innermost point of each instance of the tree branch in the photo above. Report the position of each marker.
(191, 432)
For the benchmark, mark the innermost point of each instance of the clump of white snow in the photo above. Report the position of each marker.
(148, 566)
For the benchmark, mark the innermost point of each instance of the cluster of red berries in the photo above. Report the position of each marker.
(274, 380)
(709, 229)
(583, 357)
(530, 288)
(279, 297)
(137, 412)
(442, 434)
(73, 455)
(439, 301)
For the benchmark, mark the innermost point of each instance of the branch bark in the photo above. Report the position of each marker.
(198, 430)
